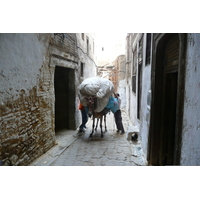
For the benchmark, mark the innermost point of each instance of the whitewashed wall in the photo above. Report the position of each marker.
(190, 154)
(21, 59)
(90, 68)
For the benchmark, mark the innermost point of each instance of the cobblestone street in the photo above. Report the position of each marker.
(75, 149)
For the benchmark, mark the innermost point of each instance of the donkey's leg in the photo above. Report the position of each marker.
(105, 123)
(97, 124)
(101, 126)
(92, 127)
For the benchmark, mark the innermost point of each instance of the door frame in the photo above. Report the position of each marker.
(65, 98)
(154, 140)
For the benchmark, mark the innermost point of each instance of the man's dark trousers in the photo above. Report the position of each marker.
(118, 120)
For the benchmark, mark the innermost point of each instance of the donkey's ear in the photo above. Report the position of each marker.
(86, 98)
(94, 97)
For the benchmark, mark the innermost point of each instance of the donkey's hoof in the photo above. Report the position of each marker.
(101, 135)
(90, 135)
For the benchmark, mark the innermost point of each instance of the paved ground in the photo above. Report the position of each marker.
(75, 149)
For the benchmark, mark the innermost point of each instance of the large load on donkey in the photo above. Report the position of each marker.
(96, 86)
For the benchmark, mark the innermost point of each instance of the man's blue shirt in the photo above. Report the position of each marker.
(112, 104)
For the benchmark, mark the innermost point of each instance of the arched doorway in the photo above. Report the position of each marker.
(166, 117)
(169, 100)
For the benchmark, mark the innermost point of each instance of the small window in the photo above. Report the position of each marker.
(134, 83)
(140, 55)
(83, 36)
(87, 45)
(134, 71)
(148, 48)
(82, 69)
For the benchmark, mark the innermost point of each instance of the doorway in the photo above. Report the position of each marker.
(165, 115)
(64, 85)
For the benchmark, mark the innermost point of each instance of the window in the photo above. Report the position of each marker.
(82, 69)
(83, 36)
(148, 48)
(134, 72)
(87, 45)
(134, 83)
(140, 55)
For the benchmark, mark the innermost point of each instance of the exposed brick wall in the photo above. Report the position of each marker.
(65, 41)
(26, 131)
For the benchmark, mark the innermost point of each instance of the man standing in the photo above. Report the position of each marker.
(114, 106)
(118, 116)
(84, 111)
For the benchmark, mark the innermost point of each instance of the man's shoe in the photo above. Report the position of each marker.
(81, 130)
(122, 133)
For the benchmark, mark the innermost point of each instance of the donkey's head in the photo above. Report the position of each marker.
(90, 104)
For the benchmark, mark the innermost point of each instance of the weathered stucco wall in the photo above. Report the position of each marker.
(87, 58)
(27, 100)
(89, 61)
(145, 108)
(145, 101)
(132, 97)
(132, 46)
(121, 70)
(26, 114)
(190, 153)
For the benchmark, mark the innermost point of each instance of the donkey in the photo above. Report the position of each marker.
(91, 104)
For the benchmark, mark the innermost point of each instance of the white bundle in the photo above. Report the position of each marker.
(100, 87)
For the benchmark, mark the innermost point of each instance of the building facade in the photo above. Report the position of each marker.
(162, 92)
(39, 75)
(115, 72)
(111, 61)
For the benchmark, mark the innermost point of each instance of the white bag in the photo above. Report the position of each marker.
(100, 87)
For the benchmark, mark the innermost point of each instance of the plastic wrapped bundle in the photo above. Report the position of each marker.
(100, 87)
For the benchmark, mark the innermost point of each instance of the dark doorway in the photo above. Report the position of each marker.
(64, 84)
(164, 102)
(169, 98)
(169, 118)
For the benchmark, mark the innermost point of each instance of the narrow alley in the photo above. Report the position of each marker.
(44, 78)
(77, 149)
(144, 59)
